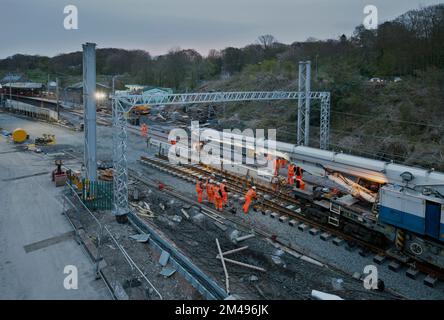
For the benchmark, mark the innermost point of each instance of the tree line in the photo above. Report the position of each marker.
(413, 41)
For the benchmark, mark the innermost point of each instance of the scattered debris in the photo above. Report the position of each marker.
(356, 275)
(253, 278)
(232, 251)
(248, 236)
(185, 213)
(143, 211)
(198, 218)
(167, 271)
(277, 260)
(337, 284)
(234, 235)
(164, 257)
(227, 278)
(119, 292)
(144, 237)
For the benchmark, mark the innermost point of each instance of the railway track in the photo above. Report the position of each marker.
(280, 203)
(283, 204)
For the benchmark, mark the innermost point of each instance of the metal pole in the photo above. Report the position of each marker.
(301, 104)
(303, 136)
(232, 251)
(10, 90)
(89, 89)
(57, 97)
(325, 121)
(243, 264)
(307, 102)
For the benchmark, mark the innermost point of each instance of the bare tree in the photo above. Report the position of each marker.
(266, 41)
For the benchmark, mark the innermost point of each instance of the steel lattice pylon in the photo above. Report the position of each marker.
(324, 139)
(304, 82)
(120, 176)
(122, 104)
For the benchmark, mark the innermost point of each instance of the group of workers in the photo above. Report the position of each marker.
(216, 192)
(294, 173)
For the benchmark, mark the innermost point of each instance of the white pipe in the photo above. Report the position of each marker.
(319, 295)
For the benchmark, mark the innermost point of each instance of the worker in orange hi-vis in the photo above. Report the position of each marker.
(276, 166)
(251, 194)
(290, 174)
(209, 189)
(144, 130)
(283, 163)
(299, 172)
(218, 201)
(300, 184)
(199, 190)
(224, 190)
(204, 185)
(215, 190)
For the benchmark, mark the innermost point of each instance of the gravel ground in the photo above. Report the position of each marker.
(348, 261)
(286, 278)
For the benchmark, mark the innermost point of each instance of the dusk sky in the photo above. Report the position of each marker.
(36, 26)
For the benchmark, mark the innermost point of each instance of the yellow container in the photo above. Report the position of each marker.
(19, 135)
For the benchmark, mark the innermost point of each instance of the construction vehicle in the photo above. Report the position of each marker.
(141, 110)
(137, 112)
(45, 139)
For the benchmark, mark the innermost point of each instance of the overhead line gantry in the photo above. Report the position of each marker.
(122, 104)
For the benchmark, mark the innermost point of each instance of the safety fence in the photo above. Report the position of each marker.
(97, 195)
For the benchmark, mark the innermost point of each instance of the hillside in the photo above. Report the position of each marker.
(401, 121)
